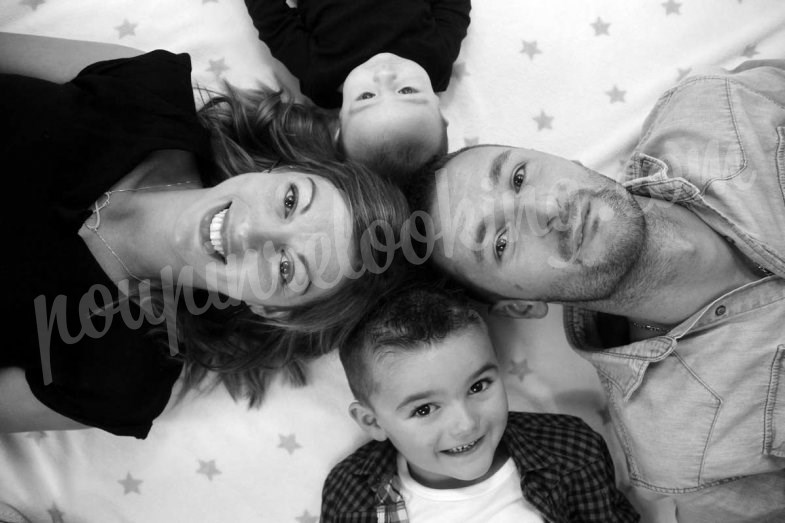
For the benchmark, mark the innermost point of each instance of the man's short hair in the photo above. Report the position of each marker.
(410, 319)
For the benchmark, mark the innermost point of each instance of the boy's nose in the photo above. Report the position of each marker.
(464, 422)
(385, 75)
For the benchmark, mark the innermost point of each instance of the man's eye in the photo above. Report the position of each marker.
(290, 200)
(407, 90)
(500, 245)
(285, 269)
(518, 177)
(365, 96)
(421, 411)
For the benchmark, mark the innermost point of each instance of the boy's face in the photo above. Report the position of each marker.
(388, 98)
(444, 407)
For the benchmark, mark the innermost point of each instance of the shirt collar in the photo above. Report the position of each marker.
(648, 176)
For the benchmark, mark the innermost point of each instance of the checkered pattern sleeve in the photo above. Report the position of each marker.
(346, 495)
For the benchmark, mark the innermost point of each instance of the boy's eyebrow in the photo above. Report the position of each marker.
(412, 100)
(417, 396)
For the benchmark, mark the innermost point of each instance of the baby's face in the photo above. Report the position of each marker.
(384, 97)
(444, 407)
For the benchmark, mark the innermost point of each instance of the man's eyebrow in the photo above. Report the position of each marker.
(479, 238)
(496, 167)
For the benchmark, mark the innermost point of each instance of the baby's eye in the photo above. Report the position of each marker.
(407, 90)
(290, 200)
(518, 177)
(285, 269)
(422, 411)
(365, 96)
(500, 244)
(480, 386)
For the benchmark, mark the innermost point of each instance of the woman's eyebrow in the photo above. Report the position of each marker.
(307, 206)
(304, 262)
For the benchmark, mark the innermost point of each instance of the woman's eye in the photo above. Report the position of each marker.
(421, 411)
(518, 177)
(479, 386)
(365, 96)
(500, 245)
(285, 269)
(407, 90)
(290, 200)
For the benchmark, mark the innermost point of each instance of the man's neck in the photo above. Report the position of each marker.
(684, 265)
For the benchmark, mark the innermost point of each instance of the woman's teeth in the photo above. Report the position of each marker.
(462, 448)
(215, 232)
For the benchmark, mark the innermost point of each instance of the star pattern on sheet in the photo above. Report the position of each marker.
(543, 121)
(306, 517)
(56, 514)
(126, 29)
(130, 484)
(33, 4)
(750, 51)
(600, 27)
(519, 369)
(289, 443)
(530, 48)
(616, 94)
(208, 468)
(37, 435)
(671, 7)
(683, 73)
(218, 67)
(468, 141)
(459, 70)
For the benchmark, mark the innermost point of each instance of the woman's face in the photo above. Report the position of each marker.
(280, 238)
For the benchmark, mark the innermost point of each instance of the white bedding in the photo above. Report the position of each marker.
(572, 77)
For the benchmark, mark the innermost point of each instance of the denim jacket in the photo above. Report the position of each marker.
(704, 404)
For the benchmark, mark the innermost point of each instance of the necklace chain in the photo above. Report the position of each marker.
(648, 327)
(97, 207)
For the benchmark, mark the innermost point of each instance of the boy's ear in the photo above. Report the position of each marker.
(270, 313)
(366, 419)
(519, 309)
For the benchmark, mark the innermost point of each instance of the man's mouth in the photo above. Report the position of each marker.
(461, 449)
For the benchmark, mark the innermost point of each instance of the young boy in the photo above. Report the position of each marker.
(388, 57)
(429, 391)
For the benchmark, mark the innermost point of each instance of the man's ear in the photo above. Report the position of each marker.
(271, 313)
(366, 419)
(519, 309)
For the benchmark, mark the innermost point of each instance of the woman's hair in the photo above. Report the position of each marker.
(253, 131)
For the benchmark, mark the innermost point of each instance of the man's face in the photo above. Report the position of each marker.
(529, 225)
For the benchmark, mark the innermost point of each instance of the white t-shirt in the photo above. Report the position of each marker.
(498, 499)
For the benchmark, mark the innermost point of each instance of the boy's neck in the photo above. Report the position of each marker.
(499, 459)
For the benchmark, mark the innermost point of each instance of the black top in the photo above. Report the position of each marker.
(321, 41)
(64, 145)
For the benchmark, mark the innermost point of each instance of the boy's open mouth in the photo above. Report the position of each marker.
(460, 449)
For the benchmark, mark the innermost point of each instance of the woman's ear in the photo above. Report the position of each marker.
(271, 313)
(366, 419)
(519, 309)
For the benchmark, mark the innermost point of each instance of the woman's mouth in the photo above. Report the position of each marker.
(215, 243)
(462, 449)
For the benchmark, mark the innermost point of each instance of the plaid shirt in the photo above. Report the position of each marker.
(565, 468)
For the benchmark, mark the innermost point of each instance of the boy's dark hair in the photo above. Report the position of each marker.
(416, 315)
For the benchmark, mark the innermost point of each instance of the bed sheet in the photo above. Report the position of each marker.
(572, 77)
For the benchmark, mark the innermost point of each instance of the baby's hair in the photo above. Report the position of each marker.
(398, 159)
(410, 319)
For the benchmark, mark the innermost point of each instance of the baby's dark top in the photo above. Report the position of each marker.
(64, 146)
(321, 41)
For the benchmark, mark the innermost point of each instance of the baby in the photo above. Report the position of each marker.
(381, 61)
(429, 391)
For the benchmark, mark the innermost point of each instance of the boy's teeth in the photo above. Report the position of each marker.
(215, 232)
(462, 448)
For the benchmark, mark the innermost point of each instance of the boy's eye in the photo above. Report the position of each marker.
(480, 386)
(421, 411)
(290, 201)
(500, 244)
(518, 177)
(285, 269)
(365, 96)
(407, 90)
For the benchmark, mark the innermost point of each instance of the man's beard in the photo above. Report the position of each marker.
(602, 278)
